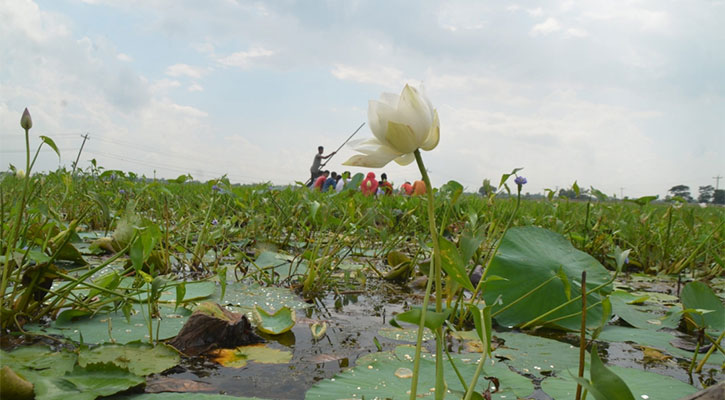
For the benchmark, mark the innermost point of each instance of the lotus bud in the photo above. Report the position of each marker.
(25, 121)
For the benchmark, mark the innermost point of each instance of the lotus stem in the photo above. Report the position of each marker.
(582, 335)
(435, 275)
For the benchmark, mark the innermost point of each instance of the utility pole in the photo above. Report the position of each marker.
(75, 164)
(717, 181)
(621, 193)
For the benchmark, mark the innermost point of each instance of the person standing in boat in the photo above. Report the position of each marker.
(317, 163)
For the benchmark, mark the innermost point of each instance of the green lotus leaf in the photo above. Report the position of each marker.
(274, 324)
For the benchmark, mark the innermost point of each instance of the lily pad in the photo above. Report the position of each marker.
(382, 376)
(40, 359)
(247, 297)
(659, 340)
(139, 358)
(644, 385)
(636, 315)
(114, 328)
(180, 396)
(87, 383)
(282, 264)
(238, 358)
(531, 257)
(536, 355)
(277, 323)
(405, 334)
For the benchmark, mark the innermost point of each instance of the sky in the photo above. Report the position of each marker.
(625, 96)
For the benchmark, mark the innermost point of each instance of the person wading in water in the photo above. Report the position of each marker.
(317, 162)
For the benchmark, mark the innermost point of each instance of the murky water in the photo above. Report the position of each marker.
(354, 321)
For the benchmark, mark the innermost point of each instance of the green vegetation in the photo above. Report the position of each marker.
(110, 257)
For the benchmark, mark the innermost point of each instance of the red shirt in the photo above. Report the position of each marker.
(408, 188)
(369, 186)
(319, 182)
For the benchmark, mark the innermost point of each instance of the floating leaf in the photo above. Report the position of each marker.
(318, 330)
(40, 359)
(277, 323)
(643, 385)
(87, 383)
(238, 358)
(95, 328)
(659, 340)
(405, 334)
(139, 358)
(384, 375)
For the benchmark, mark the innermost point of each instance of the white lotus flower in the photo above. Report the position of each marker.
(401, 125)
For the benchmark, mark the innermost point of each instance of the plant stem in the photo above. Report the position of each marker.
(582, 334)
(435, 274)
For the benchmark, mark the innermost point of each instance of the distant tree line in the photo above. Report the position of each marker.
(707, 194)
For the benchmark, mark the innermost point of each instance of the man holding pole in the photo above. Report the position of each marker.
(317, 162)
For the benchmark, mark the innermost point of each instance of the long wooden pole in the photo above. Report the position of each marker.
(338, 149)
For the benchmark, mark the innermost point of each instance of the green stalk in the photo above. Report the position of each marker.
(582, 334)
(436, 276)
(195, 256)
(495, 249)
(14, 234)
(709, 352)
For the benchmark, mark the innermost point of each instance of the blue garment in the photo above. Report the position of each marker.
(330, 182)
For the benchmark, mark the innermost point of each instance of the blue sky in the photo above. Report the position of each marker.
(627, 97)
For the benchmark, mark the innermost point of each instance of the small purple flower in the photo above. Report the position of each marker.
(121, 191)
(626, 260)
(216, 188)
(214, 221)
(520, 180)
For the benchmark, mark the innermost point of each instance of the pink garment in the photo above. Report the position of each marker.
(369, 186)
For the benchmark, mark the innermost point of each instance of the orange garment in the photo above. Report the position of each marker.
(418, 188)
(407, 188)
(387, 188)
(369, 186)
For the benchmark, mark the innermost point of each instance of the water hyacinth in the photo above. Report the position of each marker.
(520, 181)
(216, 188)
(401, 125)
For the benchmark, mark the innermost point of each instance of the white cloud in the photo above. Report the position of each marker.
(377, 75)
(124, 57)
(164, 84)
(546, 27)
(244, 59)
(178, 70)
(195, 87)
(577, 32)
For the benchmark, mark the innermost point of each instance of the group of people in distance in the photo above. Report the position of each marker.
(326, 181)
